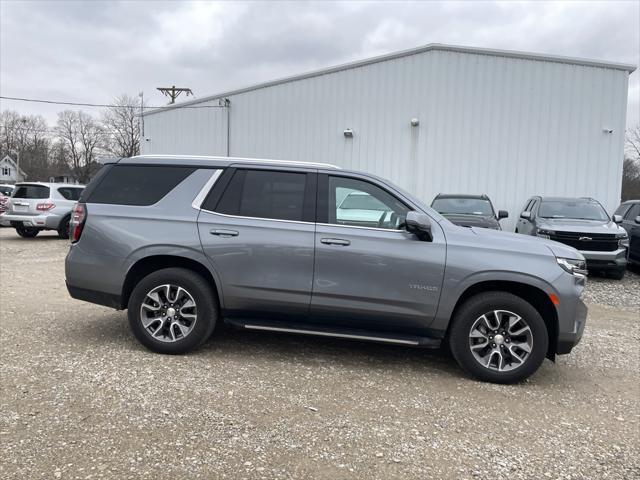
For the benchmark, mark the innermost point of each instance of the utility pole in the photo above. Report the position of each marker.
(173, 92)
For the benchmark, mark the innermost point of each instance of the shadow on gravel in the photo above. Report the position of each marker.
(112, 330)
(53, 236)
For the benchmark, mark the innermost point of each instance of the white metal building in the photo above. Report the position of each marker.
(433, 119)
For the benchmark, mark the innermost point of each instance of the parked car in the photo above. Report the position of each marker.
(363, 209)
(582, 223)
(186, 242)
(34, 207)
(469, 210)
(630, 213)
(5, 193)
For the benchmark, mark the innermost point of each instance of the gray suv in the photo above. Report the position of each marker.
(581, 223)
(185, 243)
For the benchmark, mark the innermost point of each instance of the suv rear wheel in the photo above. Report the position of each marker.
(27, 232)
(498, 337)
(63, 228)
(173, 311)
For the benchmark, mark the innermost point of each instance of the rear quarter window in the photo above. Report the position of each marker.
(31, 191)
(70, 193)
(139, 185)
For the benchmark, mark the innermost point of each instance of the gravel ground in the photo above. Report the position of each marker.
(80, 398)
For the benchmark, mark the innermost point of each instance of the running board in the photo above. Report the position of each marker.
(408, 340)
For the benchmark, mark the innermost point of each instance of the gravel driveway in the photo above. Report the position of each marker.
(80, 398)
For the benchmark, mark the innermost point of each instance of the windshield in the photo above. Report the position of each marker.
(576, 209)
(464, 206)
(362, 201)
(6, 190)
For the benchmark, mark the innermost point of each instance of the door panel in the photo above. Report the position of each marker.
(369, 272)
(261, 241)
(376, 279)
(265, 266)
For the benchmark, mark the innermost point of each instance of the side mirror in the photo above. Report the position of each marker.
(502, 214)
(637, 220)
(420, 225)
(525, 215)
(617, 218)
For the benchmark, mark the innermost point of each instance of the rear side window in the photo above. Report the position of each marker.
(137, 184)
(31, 191)
(70, 193)
(266, 194)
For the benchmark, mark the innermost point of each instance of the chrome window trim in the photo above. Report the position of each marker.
(204, 191)
(302, 222)
(257, 218)
(396, 230)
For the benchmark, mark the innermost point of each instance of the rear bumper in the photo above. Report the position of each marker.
(39, 221)
(93, 296)
(615, 260)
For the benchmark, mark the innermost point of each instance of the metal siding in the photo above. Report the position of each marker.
(508, 127)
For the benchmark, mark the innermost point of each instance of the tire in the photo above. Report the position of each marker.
(205, 312)
(466, 327)
(617, 274)
(63, 228)
(27, 232)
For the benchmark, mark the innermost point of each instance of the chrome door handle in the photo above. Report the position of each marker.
(224, 233)
(335, 241)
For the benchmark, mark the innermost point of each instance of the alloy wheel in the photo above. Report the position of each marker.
(501, 340)
(168, 313)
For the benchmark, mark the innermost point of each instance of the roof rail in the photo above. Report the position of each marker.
(242, 160)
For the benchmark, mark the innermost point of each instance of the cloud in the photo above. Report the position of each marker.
(93, 51)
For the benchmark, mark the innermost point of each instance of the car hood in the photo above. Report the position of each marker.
(525, 243)
(575, 225)
(472, 220)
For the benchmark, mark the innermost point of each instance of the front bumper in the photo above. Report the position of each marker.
(571, 312)
(616, 260)
(569, 339)
(39, 221)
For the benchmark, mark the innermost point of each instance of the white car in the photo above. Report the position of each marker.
(36, 206)
(365, 210)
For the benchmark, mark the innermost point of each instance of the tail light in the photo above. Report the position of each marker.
(76, 224)
(45, 207)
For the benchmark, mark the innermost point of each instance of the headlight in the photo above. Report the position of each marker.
(623, 240)
(541, 232)
(572, 265)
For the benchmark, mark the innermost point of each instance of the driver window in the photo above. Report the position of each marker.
(362, 204)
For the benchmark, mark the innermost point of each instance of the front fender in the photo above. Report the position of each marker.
(454, 288)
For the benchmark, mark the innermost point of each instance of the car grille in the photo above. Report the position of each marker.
(595, 242)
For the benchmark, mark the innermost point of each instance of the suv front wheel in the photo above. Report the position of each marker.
(173, 311)
(498, 337)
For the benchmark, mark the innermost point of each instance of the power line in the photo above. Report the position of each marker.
(50, 131)
(105, 105)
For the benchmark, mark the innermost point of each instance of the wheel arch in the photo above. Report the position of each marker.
(536, 297)
(149, 264)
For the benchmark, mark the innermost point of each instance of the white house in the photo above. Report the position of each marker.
(434, 119)
(9, 171)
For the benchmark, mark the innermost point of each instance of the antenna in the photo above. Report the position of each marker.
(173, 92)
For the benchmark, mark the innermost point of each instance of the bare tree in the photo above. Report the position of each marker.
(122, 121)
(631, 166)
(82, 136)
(30, 137)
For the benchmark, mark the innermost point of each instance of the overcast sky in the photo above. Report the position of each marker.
(93, 51)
